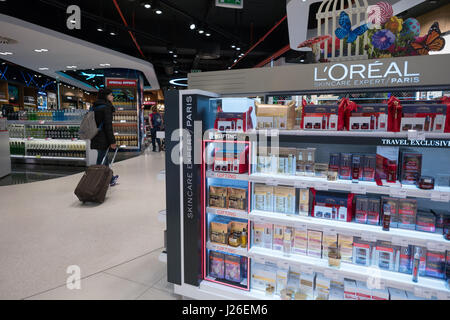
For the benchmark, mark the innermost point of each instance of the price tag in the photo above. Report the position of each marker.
(283, 265)
(258, 259)
(272, 182)
(123, 121)
(418, 292)
(306, 269)
(436, 246)
(440, 196)
(397, 193)
(332, 275)
(412, 134)
(369, 237)
(421, 136)
(41, 122)
(272, 133)
(358, 189)
(321, 186)
(301, 226)
(443, 295)
(301, 184)
(38, 156)
(330, 231)
(400, 241)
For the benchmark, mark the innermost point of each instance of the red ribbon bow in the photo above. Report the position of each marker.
(346, 107)
(304, 104)
(394, 114)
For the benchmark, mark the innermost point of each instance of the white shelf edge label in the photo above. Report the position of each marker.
(301, 184)
(436, 246)
(307, 269)
(397, 193)
(358, 189)
(400, 241)
(321, 186)
(440, 196)
(272, 182)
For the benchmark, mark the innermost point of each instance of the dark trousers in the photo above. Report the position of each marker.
(154, 139)
(101, 155)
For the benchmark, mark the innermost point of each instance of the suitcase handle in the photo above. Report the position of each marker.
(113, 159)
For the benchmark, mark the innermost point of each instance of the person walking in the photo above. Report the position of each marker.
(156, 122)
(105, 139)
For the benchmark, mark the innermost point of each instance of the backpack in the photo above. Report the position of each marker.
(88, 127)
(156, 120)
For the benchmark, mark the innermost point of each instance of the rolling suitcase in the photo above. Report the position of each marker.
(95, 182)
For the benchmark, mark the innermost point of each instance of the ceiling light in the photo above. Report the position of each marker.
(201, 31)
(192, 26)
(112, 33)
(238, 49)
(100, 29)
(41, 50)
(302, 61)
(208, 34)
(104, 65)
(146, 4)
(176, 71)
(235, 60)
(175, 55)
(6, 53)
(233, 46)
(175, 61)
(43, 69)
(158, 11)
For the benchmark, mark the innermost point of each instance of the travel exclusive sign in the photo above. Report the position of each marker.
(370, 73)
(234, 4)
(417, 72)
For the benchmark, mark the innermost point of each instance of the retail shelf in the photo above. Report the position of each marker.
(30, 104)
(125, 134)
(228, 213)
(376, 134)
(227, 249)
(210, 290)
(395, 190)
(123, 121)
(45, 122)
(129, 148)
(48, 139)
(432, 241)
(48, 158)
(425, 287)
(231, 176)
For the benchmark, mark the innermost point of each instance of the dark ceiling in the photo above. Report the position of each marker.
(156, 34)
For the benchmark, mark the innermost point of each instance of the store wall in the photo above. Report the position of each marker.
(441, 15)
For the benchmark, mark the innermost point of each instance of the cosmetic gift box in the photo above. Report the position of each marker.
(435, 266)
(284, 200)
(387, 163)
(234, 121)
(231, 161)
(332, 205)
(370, 117)
(217, 265)
(300, 241)
(275, 116)
(263, 197)
(424, 117)
(234, 268)
(321, 117)
(411, 167)
(262, 235)
(263, 276)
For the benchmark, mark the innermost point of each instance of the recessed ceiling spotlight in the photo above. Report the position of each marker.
(146, 4)
(235, 60)
(192, 26)
(233, 46)
(6, 53)
(208, 34)
(112, 33)
(104, 65)
(158, 11)
(201, 31)
(43, 69)
(175, 61)
(238, 49)
(302, 60)
(100, 29)
(175, 56)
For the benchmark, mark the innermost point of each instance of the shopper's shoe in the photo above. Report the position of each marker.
(114, 181)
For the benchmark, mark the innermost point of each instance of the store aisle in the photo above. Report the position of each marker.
(44, 229)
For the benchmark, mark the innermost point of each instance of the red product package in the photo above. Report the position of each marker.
(337, 206)
(394, 114)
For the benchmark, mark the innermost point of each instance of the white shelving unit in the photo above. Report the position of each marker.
(425, 287)
(48, 158)
(432, 241)
(395, 190)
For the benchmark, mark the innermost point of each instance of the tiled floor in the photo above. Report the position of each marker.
(44, 229)
(143, 278)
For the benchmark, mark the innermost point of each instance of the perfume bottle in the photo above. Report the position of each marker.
(356, 166)
(372, 122)
(324, 123)
(416, 267)
(244, 238)
(386, 217)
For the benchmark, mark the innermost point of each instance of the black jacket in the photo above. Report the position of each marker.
(104, 115)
